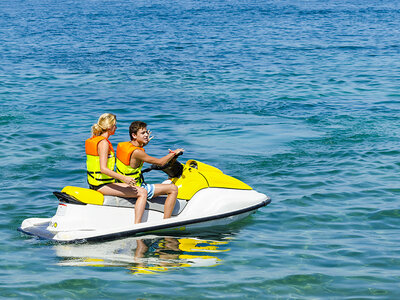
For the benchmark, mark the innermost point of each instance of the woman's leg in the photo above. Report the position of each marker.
(171, 190)
(125, 190)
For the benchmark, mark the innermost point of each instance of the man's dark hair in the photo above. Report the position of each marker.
(135, 126)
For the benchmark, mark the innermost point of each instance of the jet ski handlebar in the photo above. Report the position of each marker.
(173, 168)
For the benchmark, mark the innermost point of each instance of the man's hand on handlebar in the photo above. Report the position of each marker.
(177, 152)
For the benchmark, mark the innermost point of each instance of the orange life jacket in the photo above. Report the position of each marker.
(124, 153)
(94, 175)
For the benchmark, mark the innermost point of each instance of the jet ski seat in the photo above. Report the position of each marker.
(82, 196)
(156, 203)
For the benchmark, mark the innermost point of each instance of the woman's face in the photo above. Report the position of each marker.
(113, 129)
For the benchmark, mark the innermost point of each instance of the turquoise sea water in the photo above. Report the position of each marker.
(299, 99)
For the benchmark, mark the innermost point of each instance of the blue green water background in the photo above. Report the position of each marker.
(299, 99)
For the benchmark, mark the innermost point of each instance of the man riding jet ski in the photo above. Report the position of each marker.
(206, 198)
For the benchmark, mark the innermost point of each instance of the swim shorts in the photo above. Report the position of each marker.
(150, 189)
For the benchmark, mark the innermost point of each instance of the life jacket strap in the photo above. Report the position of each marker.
(91, 175)
(127, 174)
(141, 178)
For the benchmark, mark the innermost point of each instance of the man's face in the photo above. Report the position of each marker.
(142, 136)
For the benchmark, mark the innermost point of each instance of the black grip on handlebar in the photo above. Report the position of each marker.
(157, 167)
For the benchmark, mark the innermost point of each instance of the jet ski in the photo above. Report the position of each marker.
(206, 198)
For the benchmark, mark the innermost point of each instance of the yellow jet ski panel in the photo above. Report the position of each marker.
(202, 167)
(197, 175)
(225, 181)
(87, 196)
(193, 180)
(216, 178)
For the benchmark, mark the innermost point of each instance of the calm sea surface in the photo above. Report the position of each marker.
(299, 99)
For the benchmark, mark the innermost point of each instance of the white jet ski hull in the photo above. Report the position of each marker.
(208, 208)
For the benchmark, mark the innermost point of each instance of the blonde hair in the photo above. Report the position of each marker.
(105, 122)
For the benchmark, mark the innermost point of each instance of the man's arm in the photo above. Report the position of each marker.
(143, 156)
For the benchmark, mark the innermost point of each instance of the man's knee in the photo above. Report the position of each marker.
(173, 189)
(142, 192)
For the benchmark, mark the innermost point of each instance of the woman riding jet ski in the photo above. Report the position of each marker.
(206, 198)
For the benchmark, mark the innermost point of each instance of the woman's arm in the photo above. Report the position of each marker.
(102, 149)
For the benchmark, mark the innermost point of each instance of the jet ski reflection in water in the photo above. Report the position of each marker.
(206, 198)
(144, 255)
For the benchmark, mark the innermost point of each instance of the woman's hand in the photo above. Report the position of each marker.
(130, 181)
